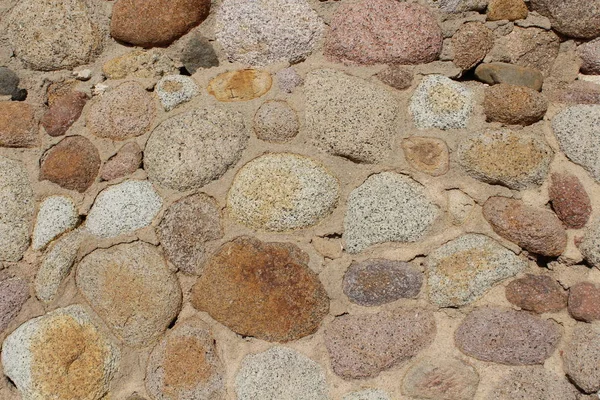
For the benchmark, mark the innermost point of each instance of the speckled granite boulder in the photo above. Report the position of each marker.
(581, 356)
(275, 121)
(56, 215)
(537, 293)
(571, 17)
(533, 383)
(172, 90)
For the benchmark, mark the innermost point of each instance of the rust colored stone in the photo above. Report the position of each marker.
(537, 293)
(242, 85)
(584, 302)
(63, 113)
(429, 155)
(471, 43)
(569, 199)
(517, 105)
(185, 362)
(18, 127)
(511, 10)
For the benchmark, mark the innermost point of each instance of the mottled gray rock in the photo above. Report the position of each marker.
(198, 53)
(458, 6)
(387, 207)
(498, 72)
(56, 215)
(9, 81)
(581, 357)
(173, 90)
(368, 394)
(533, 383)
(275, 121)
(590, 245)
(14, 292)
(288, 79)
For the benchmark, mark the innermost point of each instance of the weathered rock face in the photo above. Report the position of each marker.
(497, 72)
(589, 53)
(240, 85)
(470, 44)
(145, 64)
(571, 17)
(580, 358)
(528, 47)
(506, 9)
(584, 301)
(18, 127)
(396, 76)
(125, 162)
(63, 112)
(14, 293)
(533, 383)
(569, 199)
(264, 290)
(516, 105)
(275, 121)
(537, 293)
(429, 155)
(590, 245)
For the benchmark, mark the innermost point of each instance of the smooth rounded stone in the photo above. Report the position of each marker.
(459, 6)
(537, 293)
(18, 127)
(471, 43)
(589, 53)
(569, 200)
(498, 72)
(396, 76)
(130, 287)
(375, 282)
(571, 17)
(439, 102)
(515, 105)
(275, 121)
(534, 48)
(123, 112)
(460, 206)
(581, 357)
(362, 346)
(56, 215)
(189, 231)
(387, 207)
(507, 336)
(185, 364)
(264, 290)
(49, 35)
(578, 133)
(590, 245)
(63, 113)
(198, 53)
(280, 192)
(462, 270)
(122, 209)
(60, 355)
(280, 373)
(426, 154)
(515, 160)
(537, 230)
(383, 32)
(171, 154)
(145, 64)
(368, 394)
(127, 160)
(349, 116)
(173, 90)
(584, 302)
(14, 292)
(240, 85)
(288, 79)
(267, 31)
(533, 383)
(9, 81)
(17, 207)
(440, 379)
(511, 10)
(150, 23)
(72, 164)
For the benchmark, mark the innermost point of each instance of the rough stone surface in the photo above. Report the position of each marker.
(396, 76)
(536, 230)
(426, 154)
(122, 209)
(73, 163)
(383, 32)
(260, 289)
(533, 383)
(387, 207)
(17, 207)
(498, 72)
(571, 17)
(125, 111)
(511, 10)
(362, 346)
(459, 6)
(156, 22)
(460, 206)
(368, 394)
(580, 357)
(240, 85)
(506, 336)
(280, 373)
(198, 53)
(569, 199)
(350, 117)
(288, 79)
(584, 302)
(375, 282)
(173, 90)
(282, 192)
(171, 153)
(462, 270)
(471, 43)
(439, 102)
(63, 113)
(515, 160)
(185, 365)
(515, 105)
(125, 162)
(9, 81)
(537, 293)
(37, 31)
(275, 121)
(145, 64)
(14, 293)
(578, 133)
(590, 245)
(440, 379)
(189, 231)
(60, 355)
(578, 92)
(589, 53)
(56, 215)
(269, 31)
(131, 289)
(18, 127)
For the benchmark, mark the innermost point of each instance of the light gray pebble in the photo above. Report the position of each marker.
(275, 121)
(56, 215)
(173, 90)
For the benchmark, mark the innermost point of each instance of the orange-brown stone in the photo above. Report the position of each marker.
(242, 85)
(17, 125)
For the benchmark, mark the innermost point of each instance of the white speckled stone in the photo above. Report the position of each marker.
(173, 90)
(56, 215)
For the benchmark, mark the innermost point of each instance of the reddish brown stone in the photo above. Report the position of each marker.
(63, 113)
(537, 293)
(516, 105)
(149, 23)
(471, 43)
(584, 302)
(125, 162)
(579, 92)
(17, 125)
(570, 201)
(536, 230)
(72, 164)
(264, 290)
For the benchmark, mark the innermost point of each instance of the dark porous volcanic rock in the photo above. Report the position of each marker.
(570, 200)
(537, 293)
(63, 112)
(584, 301)
(18, 127)
(515, 105)
(264, 290)
(581, 357)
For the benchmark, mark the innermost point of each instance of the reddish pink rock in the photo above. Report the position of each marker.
(569, 200)
(584, 302)
(590, 57)
(537, 293)
(63, 113)
(383, 32)
(125, 162)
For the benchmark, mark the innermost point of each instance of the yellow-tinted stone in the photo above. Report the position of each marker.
(242, 85)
